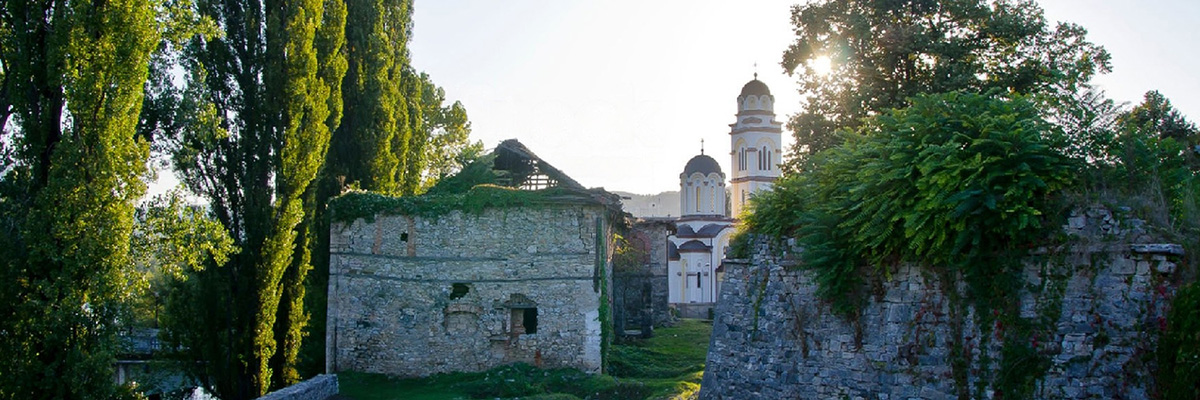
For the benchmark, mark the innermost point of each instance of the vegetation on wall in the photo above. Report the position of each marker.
(1179, 346)
(951, 134)
(956, 180)
(366, 205)
(967, 184)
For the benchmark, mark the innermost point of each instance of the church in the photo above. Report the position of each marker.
(709, 207)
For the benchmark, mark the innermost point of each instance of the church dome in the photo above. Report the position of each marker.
(756, 88)
(703, 164)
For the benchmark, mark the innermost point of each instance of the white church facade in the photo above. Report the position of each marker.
(708, 206)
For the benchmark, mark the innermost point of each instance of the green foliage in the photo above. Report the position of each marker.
(954, 180)
(1179, 347)
(1152, 165)
(448, 149)
(71, 75)
(885, 52)
(366, 205)
(249, 132)
(170, 241)
(370, 146)
(740, 245)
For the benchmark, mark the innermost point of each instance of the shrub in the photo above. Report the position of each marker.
(1179, 347)
(954, 180)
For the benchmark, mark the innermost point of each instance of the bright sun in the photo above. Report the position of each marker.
(822, 65)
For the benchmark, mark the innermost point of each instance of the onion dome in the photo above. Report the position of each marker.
(703, 164)
(756, 88)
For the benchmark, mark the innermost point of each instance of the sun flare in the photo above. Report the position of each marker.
(822, 65)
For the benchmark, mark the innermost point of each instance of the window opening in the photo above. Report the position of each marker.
(458, 290)
(524, 321)
(531, 321)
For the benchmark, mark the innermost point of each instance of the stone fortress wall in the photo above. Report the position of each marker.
(774, 338)
(411, 296)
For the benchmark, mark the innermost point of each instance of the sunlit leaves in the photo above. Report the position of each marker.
(952, 181)
(883, 52)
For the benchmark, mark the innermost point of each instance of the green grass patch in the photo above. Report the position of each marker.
(667, 366)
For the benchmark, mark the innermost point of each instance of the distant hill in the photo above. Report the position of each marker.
(665, 204)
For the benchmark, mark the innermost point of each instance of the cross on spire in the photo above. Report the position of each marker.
(756, 70)
(701, 146)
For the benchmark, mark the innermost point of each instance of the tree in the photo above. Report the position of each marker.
(369, 147)
(71, 73)
(885, 52)
(172, 240)
(448, 130)
(1155, 115)
(259, 106)
(397, 136)
(1154, 164)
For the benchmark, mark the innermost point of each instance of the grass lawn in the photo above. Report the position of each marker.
(667, 366)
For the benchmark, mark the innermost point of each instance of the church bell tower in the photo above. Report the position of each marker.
(755, 139)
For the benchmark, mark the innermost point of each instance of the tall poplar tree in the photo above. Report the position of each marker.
(370, 147)
(71, 76)
(261, 103)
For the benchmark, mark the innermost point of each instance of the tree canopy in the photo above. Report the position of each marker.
(250, 135)
(884, 52)
(71, 75)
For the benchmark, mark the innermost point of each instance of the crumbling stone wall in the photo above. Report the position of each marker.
(641, 294)
(320, 387)
(413, 296)
(773, 338)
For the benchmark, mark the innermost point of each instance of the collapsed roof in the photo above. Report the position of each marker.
(526, 170)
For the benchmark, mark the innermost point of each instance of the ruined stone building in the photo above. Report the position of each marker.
(516, 271)
(511, 260)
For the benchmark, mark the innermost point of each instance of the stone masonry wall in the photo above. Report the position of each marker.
(410, 296)
(774, 339)
(319, 387)
(641, 295)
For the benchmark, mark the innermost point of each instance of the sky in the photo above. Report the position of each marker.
(619, 93)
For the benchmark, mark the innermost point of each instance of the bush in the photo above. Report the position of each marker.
(1179, 347)
(954, 180)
